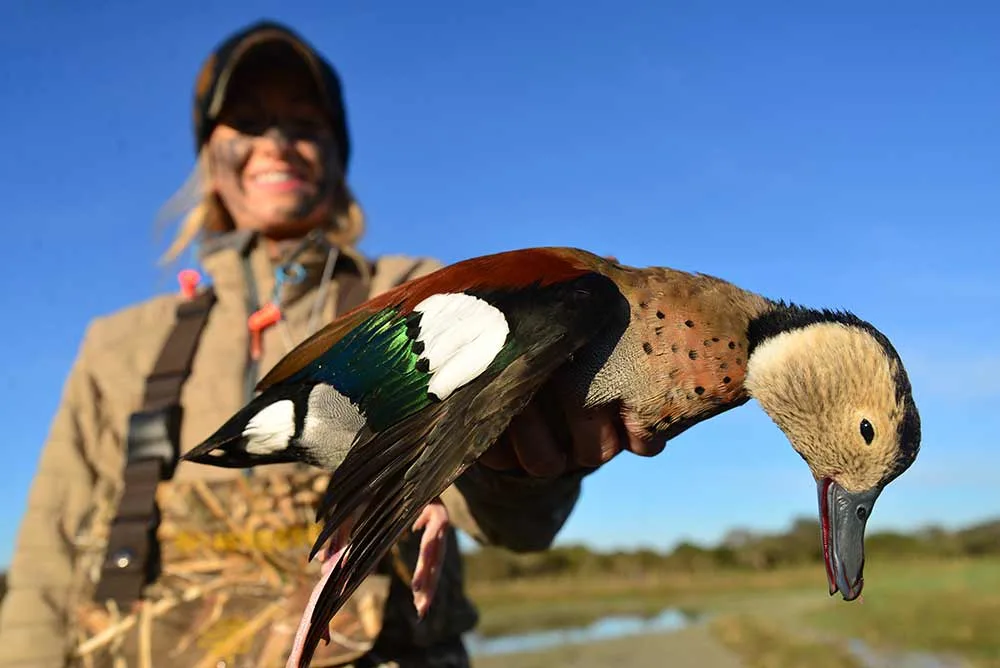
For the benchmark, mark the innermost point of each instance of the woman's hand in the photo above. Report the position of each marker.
(548, 439)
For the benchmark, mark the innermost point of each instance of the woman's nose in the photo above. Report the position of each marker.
(276, 137)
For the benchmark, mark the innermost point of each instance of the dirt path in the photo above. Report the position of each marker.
(689, 648)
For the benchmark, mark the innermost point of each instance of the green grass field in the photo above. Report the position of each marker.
(951, 607)
(784, 617)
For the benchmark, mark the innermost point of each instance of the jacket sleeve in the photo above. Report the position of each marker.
(41, 581)
(520, 513)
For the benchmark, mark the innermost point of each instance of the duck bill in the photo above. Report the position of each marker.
(843, 516)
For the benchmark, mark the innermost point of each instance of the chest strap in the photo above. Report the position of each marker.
(153, 444)
(132, 559)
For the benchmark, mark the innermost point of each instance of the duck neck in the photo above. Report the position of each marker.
(686, 348)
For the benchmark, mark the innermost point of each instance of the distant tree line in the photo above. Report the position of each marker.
(739, 549)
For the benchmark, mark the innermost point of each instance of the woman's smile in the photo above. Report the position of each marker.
(278, 179)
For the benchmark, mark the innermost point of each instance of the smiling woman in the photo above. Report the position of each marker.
(272, 150)
(125, 551)
(274, 154)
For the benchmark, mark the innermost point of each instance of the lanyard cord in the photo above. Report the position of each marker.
(324, 286)
(282, 273)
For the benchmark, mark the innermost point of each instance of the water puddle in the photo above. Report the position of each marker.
(671, 619)
(606, 628)
(873, 658)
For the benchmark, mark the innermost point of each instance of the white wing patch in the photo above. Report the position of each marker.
(270, 430)
(461, 336)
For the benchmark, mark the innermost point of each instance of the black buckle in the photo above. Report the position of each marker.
(155, 434)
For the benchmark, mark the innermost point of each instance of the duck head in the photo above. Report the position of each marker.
(838, 390)
(301, 422)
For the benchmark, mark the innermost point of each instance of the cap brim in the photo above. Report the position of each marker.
(262, 38)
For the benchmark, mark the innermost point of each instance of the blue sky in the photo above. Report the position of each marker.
(840, 154)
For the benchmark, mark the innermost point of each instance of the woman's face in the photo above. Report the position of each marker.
(272, 156)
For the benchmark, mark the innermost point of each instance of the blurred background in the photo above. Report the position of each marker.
(834, 154)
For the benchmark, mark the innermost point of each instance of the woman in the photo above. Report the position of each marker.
(217, 575)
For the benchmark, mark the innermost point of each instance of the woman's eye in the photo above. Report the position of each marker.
(247, 125)
(307, 125)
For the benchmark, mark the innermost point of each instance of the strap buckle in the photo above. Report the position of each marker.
(154, 435)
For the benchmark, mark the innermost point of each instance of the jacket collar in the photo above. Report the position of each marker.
(240, 266)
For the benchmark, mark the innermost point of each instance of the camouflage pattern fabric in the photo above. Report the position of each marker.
(234, 582)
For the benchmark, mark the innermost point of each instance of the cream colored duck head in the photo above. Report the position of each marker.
(838, 390)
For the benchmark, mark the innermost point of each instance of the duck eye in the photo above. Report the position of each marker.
(867, 431)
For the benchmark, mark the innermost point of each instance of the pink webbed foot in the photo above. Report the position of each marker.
(434, 521)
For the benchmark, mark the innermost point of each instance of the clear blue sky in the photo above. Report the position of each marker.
(841, 156)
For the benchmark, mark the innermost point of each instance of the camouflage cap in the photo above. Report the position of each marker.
(215, 73)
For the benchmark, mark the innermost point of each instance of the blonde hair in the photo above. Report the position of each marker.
(202, 212)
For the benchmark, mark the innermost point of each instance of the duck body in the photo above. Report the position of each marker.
(681, 358)
(398, 397)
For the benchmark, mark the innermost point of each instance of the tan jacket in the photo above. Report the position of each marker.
(80, 468)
